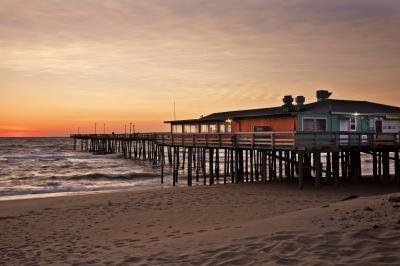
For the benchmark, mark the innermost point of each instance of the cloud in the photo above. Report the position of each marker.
(236, 54)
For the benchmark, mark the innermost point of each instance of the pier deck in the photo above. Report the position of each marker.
(302, 141)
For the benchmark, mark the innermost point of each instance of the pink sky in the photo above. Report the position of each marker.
(67, 64)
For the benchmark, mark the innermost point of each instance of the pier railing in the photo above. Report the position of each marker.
(262, 140)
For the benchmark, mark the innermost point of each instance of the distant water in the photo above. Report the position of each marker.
(37, 167)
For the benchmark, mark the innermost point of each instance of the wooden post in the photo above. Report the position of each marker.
(211, 165)
(280, 166)
(225, 165)
(379, 163)
(177, 163)
(241, 167)
(385, 164)
(335, 165)
(292, 164)
(217, 164)
(173, 166)
(397, 166)
(375, 167)
(204, 166)
(198, 164)
(318, 169)
(247, 165)
(328, 165)
(190, 158)
(301, 170)
(232, 165)
(251, 166)
(263, 166)
(162, 164)
(344, 165)
(257, 163)
(236, 166)
(183, 156)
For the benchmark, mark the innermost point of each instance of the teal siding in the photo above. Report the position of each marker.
(327, 116)
(333, 121)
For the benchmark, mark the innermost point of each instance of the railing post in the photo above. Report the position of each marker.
(294, 140)
(273, 140)
(337, 139)
(315, 139)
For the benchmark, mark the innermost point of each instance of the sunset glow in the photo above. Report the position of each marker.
(66, 65)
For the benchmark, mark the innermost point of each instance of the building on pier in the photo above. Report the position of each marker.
(323, 115)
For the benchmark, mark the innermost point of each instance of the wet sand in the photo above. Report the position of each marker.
(223, 224)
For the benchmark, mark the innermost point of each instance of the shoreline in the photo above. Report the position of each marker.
(366, 182)
(208, 225)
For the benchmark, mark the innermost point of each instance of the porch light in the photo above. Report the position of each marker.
(228, 120)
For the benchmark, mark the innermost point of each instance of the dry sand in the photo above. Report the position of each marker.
(224, 224)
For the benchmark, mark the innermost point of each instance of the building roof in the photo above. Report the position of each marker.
(323, 106)
(350, 106)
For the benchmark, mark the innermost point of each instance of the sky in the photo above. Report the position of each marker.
(70, 64)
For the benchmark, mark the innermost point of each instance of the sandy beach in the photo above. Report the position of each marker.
(216, 225)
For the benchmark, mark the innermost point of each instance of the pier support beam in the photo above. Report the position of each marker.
(375, 167)
(385, 166)
(301, 170)
(189, 168)
(335, 166)
(397, 167)
(318, 169)
(162, 164)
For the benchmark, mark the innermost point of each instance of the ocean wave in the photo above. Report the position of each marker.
(102, 176)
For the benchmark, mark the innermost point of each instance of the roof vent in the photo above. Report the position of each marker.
(323, 94)
(300, 100)
(287, 100)
(299, 103)
(287, 103)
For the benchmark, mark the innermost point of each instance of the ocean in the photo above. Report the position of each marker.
(41, 167)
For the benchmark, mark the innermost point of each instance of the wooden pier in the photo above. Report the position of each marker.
(324, 157)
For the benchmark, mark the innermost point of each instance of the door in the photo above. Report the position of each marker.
(378, 126)
(345, 127)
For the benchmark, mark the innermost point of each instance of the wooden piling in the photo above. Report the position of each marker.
(189, 168)
(301, 169)
(318, 169)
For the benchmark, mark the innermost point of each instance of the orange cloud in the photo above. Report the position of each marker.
(66, 64)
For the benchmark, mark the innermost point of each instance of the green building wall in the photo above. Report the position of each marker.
(333, 121)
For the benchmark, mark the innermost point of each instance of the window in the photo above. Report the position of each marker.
(314, 124)
(262, 128)
(177, 128)
(186, 129)
(353, 124)
(203, 128)
(212, 128)
(228, 127)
